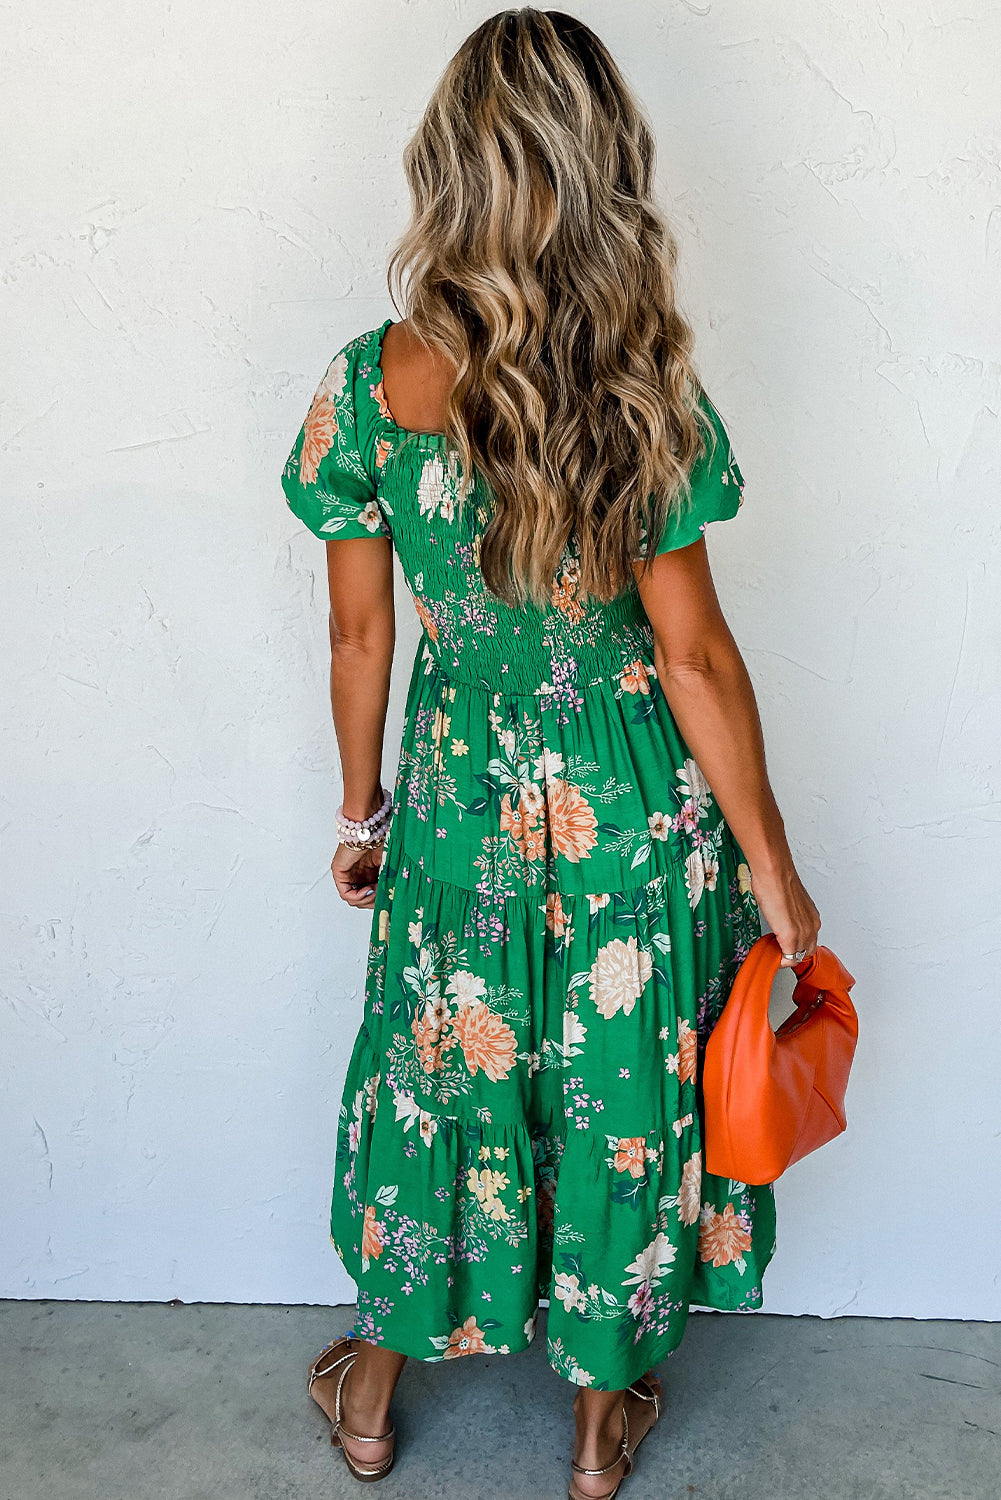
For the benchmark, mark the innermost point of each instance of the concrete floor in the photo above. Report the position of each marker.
(103, 1401)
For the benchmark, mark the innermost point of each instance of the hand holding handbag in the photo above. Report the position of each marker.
(771, 1097)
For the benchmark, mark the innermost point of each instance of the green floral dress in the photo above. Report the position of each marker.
(560, 912)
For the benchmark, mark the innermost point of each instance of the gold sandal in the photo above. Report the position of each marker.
(625, 1452)
(337, 1428)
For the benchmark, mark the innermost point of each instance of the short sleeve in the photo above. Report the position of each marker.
(327, 482)
(717, 486)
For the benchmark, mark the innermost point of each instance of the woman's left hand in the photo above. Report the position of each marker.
(355, 873)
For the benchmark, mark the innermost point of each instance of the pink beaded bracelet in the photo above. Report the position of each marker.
(361, 834)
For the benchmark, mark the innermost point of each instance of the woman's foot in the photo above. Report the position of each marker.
(599, 1431)
(366, 1393)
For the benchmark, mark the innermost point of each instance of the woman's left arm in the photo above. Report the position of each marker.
(362, 641)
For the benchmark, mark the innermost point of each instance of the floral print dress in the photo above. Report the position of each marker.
(559, 915)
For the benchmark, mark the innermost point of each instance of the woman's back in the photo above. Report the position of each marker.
(538, 739)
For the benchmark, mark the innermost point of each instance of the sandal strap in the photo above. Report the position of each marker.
(339, 1428)
(370, 1473)
(622, 1454)
(648, 1395)
(357, 1437)
(316, 1371)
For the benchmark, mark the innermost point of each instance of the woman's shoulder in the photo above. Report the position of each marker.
(353, 383)
(355, 368)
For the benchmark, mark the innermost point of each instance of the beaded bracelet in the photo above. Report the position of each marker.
(362, 834)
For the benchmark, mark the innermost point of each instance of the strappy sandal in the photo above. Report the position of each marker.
(625, 1452)
(337, 1429)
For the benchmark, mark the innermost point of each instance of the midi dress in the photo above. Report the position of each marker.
(559, 914)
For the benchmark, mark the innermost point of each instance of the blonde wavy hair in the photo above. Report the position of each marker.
(538, 263)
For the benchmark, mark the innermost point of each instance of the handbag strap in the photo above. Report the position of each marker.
(821, 976)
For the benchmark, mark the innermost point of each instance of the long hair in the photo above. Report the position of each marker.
(538, 263)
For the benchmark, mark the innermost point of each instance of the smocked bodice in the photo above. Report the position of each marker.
(554, 652)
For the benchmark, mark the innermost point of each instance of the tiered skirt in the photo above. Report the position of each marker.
(558, 919)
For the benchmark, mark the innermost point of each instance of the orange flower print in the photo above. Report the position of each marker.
(487, 1042)
(431, 1048)
(466, 1339)
(319, 431)
(722, 1237)
(688, 1051)
(383, 449)
(572, 821)
(689, 1193)
(511, 822)
(635, 678)
(534, 846)
(379, 395)
(565, 594)
(520, 823)
(556, 917)
(426, 618)
(630, 1155)
(371, 1238)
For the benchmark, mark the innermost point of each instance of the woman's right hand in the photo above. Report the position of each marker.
(787, 908)
(356, 872)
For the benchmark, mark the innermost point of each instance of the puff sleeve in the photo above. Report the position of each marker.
(327, 482)
(716, 482)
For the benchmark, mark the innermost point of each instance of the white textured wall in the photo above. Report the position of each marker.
(196, 209)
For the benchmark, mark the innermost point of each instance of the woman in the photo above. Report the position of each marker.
(582, 838)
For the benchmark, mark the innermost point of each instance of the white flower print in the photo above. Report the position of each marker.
(651, 1263)
(659, 826)
(407, 1108)
(437, 1012)
(694, 785)
(695, 877)
(532, 800)
(333, 382)
(549, 765)
(689, 1193)
(574, 1030)
(466, 988)
(427, 1127)
(597, 901)
(371, 517)
(618, 976)
(435, 495)
(567, 1289)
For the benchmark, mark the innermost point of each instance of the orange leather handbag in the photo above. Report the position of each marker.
(771, 1097)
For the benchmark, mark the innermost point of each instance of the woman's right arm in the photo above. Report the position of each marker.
(707, 686)
(362, 640)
